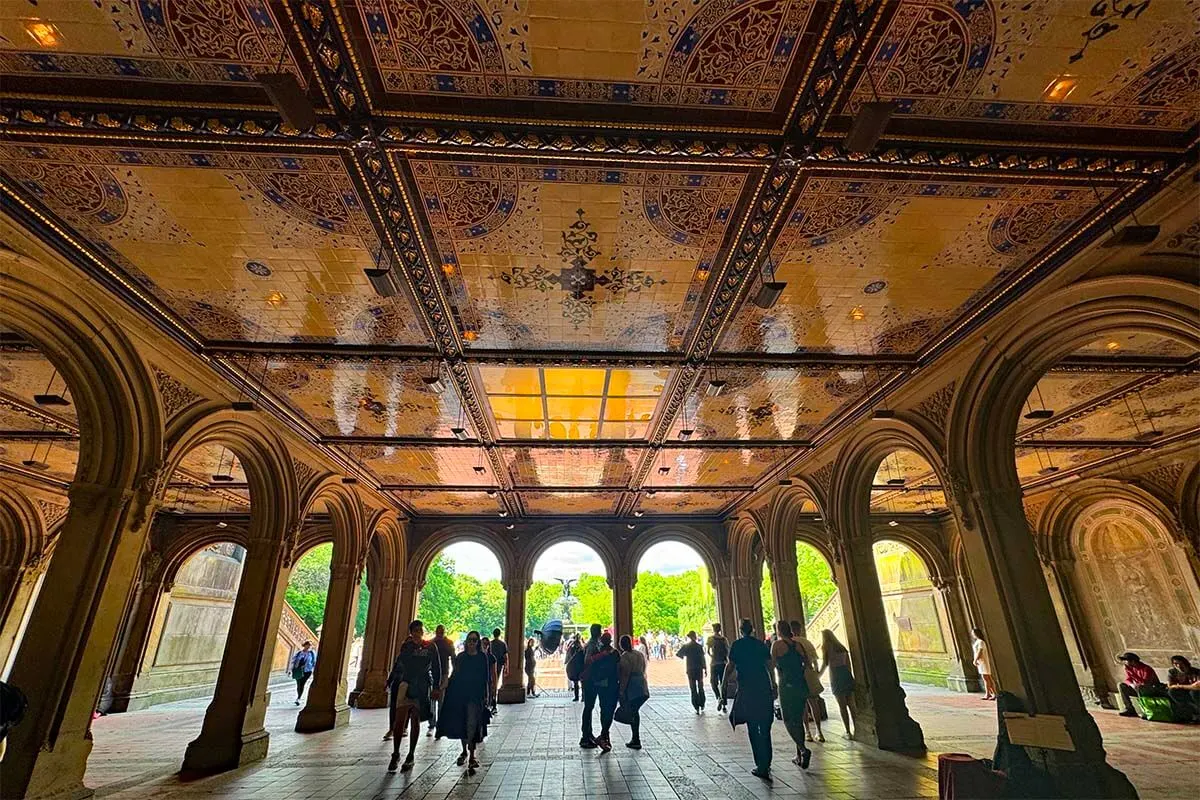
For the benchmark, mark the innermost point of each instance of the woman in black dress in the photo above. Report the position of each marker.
(755, 701)
(530, 669)
(837, 661)
(464, 711)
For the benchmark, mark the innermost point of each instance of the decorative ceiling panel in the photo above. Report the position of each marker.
(570, 503)
(1108, 64)
(207, 460)
(182, 498)
(242, 246)
(1062, 391)
(556, 256)
(572, 402)
(449, 502)
(882, 266)
(156, 48)
(366, 397)
(586, 467)
(424, 466)
(666, 502)
(1040, 462)
(1140, 344)
(712, 466)
(770, 404)
(1169, 406)
(631, 59)
(24, 374)
(925, 499)
(54, 458)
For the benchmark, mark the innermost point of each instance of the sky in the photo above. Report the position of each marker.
(570, 560)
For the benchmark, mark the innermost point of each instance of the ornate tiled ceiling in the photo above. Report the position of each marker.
(572, 192)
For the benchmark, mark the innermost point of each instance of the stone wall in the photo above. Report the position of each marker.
(919, 630)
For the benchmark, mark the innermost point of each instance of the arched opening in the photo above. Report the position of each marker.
(569, 583)
(918, 628)
(463, 591)
(303, 618)
(822, 605)
(674, 594)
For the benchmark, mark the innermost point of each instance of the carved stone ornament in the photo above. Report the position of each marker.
(1162, 480)
(52, 513)
(304, 473)
(174, 395)
(960, 490)
(151, 565)
(936, 407)
(824, 479)
(1032, 512)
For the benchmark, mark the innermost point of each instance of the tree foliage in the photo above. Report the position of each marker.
(460, 602)
(768, 603)
(308, 587)
(673, 603)
(816, 579)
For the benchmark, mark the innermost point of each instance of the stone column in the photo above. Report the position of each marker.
(326, 707)
(726, 609)
(743, 602)
(512, 686)
(1029, 655)
(21, 592)
(378, 646)
(233, 732)
(785, 586)
(70, 638)
(139, 641)
(622, 589)
(1077, 636)
(963, 677)
(882, 718)
(406, 607)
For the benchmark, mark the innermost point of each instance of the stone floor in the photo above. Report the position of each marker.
(531, 753)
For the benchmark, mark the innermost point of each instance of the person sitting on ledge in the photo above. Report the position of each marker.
(1183, 685)
(1140, 680)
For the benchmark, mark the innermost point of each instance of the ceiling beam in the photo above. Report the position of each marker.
(565, 444)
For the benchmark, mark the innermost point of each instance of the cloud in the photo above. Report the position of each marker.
(670, 558)
(567, 560)
(474, 560)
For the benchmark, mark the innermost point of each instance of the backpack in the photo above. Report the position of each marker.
(720, 649)
(575, 665)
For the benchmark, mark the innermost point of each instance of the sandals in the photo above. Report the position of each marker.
(408, 764)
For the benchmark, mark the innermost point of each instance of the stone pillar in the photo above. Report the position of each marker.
(622, 589)
(139, 641)
(326, 707)
(512, 685)
(882, 718)
(1029, 655)
(233, 732)
(726, 609)
(963, 677)
(379, 646)
(785, 586)
(743, 603)
(71, 635)
(406, 607)
(1060, 582)
(22, 586)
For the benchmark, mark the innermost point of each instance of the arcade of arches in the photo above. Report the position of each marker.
(614, 294)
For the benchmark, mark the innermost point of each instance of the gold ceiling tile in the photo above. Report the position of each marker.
(439, 502)
(575, 429)
(712, 466)
(511, 380)
(570, 503)
(575, 381)
(425, 466)
(573, 408)
(666, 502)
(637, 382)
(586, 467)
(517, 408)
(628, 409)
(25, 374)
(1061, 391)
(507, 429)
(53, 458)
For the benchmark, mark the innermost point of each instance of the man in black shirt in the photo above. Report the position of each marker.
(588, 740)
(500, 653)
(718, 656)
(445, 652)
(694, 655)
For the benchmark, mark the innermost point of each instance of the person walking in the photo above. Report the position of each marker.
(499, 652)
(302, 667)
(717, 647)
(836, 659)
(983, 663)
(789, 659)
(530, 668)
(693, 655)
(464, 714)
(445, 652)
(634, 689)
(415, 679)
(754, 703)
(813, 676)
(573, 664)
(603, 671)
(587, 740)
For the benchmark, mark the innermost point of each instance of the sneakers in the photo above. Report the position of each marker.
(473, 764)
(394, 762)
(387, 737)
(462, 758)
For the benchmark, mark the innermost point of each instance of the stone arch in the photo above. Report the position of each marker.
(1056, 522)
(23, 537)
(120, 421)
(787, 508)
(1189, 508)
(436, 542)
(264, 456)
(346, 514)
(388, 539)
(570, 532)
(683, 534)
(180, 549)
(929, 551)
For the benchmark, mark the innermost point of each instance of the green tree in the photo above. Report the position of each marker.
(539, 604)
(768, 602)
(308, 585)
(440, 603)
(595, 600)
(815, 577)
(364, 603)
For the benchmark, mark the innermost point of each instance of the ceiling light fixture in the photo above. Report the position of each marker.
(893, 524)
(459, 433)
(715, 387)
(1060, 88)
(770, 290)
(664, 470)
(479, 470)
(491, 492)
(242, 405)
(883, 413)
(289, 98)
(631, 526)
(639, 513)
(895, 481)
(1038, 413)
(1113, 346)
(33, 463)
(222, 524)
(858, 314)
(349, 481)
(1134, 235)
(650, 493)
(51, 400)
(46, 34)
(869, 124)
(222, 477)
(685, 434)
(434, 383)
(503, 513)
(785, 481)
(509, 526)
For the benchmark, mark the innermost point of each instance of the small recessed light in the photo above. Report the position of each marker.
(509, 526)
(893, 524)
(929, 512)
(874, 287)
(470, 335)
(1059, 89)
(858, 314)
(222, 524)
(459, 433)
(46, 34)
(639, 513)
(503, 514)
(1113, 346)
(664, 470)
(715, 387)
(434, 383)
(448, 268)
(685, 434)
(274, 299)
(631, 526)
(702, 275)
(817, 518)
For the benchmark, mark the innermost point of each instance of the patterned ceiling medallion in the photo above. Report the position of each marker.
(874, 287)
(258, 269)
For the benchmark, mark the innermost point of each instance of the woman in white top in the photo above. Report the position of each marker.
(983, 663)
(632, 669)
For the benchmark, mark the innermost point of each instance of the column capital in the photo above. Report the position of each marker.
(944, 583)
(412, 584)
(516, 585)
